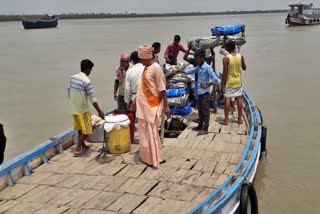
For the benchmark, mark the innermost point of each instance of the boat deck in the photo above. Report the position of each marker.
(195, 167)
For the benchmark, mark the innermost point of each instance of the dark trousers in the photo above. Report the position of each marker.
(3, 141)
(204, 113)
(121, 103)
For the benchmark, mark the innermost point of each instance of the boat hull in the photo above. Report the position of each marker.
(301, 21)
(40, 23)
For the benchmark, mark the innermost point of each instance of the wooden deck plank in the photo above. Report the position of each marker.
(35, 178)
(225, 129)
(154, 174)
(106, 169)
(83, 197)
(120, 203)
(54, 179)
(14, 192)
(188, 164)
(25, 207)
(111, 183)
(191, 177)
(90, 211)
(171, 206)
(203, 195)
(7, 205)
(220, 180)
(221, 167)
(181, 192)
(234, 128)
(133, 204)
(53, 166)
(73, 210)
(33, 195)
(135, 171)
(205, 180)
(161, 187)
(52, 209)
(148, 206)
(178, 175)
(101, 201)
(42, 194)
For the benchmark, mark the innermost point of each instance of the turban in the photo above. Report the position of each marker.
(145, 52)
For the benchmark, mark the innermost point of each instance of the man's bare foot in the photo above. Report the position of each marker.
(225, 123)
(240, 121)
(77, 153)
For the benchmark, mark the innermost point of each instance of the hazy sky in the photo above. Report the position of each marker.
(137, 6)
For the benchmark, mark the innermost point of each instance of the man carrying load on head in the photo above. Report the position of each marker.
(172, 51)
(151, 101)
(80, 91)
(156, 50)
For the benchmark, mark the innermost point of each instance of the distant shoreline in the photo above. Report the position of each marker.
(7, 18)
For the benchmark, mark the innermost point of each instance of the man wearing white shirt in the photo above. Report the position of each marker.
(133, 79)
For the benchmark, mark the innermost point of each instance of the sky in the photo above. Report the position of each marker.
(136, 6)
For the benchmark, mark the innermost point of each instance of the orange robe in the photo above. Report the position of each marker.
(148, 112)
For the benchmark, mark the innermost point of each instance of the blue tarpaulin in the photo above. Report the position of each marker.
(228, 29)
(183, 111)
(176, 92)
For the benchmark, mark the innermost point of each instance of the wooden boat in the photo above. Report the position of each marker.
(203, 174)
(303, 14)
(40, 22)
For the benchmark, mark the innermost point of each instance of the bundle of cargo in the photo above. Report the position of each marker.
(178, 87)
(238, 39)
(203, 43)
(228, 29)
(235, 33)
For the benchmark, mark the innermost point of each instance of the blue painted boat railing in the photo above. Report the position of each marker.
(230, 191)
(39, 150)
(36, 151)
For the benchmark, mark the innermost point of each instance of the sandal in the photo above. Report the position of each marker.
(77, 154)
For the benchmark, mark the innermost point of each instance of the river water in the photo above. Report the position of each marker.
(282, 77)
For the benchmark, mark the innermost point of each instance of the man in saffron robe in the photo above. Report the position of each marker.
(151, 102)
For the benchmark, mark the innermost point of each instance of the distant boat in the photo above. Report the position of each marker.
(303, 14)
(47, 21)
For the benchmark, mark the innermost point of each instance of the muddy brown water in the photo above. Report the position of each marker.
(282, 78)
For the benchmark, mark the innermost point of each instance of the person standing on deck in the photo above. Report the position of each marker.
(80, 90)
(156, 50)
(119, 82)
(172, 51)
(210, 59)
(3, 141)
(133, 78)
(231, 84)
(151, 103)
(206, 78)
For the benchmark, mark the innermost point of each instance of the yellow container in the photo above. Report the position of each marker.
(119, 141)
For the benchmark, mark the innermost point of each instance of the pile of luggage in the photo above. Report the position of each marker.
(203, 43)
(234, 33)
(178, 91)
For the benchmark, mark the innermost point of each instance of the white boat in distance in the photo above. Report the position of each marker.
(303, 14)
